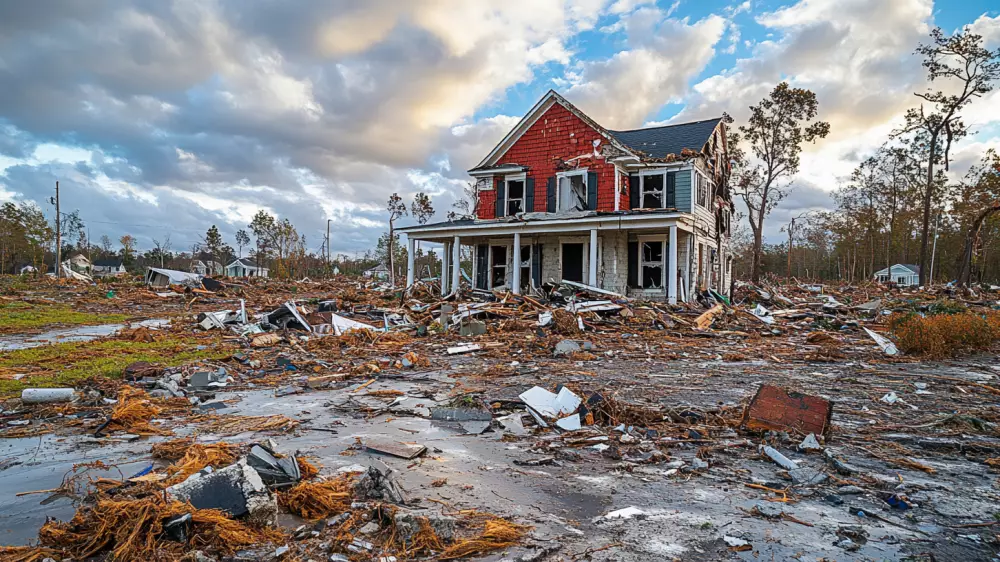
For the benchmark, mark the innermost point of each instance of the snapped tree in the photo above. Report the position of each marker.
(774, 134)
(979, 199)
(397, 209)
(968, 71)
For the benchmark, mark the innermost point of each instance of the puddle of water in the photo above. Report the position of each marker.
(76, 334)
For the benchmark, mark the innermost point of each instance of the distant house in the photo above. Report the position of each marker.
(380, 272)
(198, 266)
(902, 274)
(108, 267)
(245, 267)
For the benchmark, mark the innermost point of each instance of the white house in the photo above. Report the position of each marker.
(902, 274)
(380, 272)
(245, 267)
(108, 267)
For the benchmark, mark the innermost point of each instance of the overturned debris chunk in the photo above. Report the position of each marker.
(778, 409)
(396, 449)
(272, 470)
(883, 342)
(236, 489)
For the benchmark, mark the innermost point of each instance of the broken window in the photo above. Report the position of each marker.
(703, 186)
(498, 266)
(515, 197)
(652, 264)
(525, 268)
(573, 192)
(652, 192)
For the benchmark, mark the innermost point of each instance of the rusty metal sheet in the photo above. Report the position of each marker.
(779, 409)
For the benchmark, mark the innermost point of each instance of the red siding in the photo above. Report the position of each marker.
(558, 135)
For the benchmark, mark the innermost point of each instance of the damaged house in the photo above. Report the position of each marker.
(644, 212)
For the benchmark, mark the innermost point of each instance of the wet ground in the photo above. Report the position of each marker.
(679, 514)
(75, 334)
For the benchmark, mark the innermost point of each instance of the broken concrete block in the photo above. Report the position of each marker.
(775, 408)
(807, 476)
(810, 444)
(566, 347)
(236, 489)
(407, 525)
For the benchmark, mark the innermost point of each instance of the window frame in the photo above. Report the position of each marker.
(505, 266)
(569, 174)
(664, 248)
(662, 172)
(703, 188)
(521, 177)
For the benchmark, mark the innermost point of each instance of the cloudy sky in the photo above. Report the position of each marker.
(168, 116)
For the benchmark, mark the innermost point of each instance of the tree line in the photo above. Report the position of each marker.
(899, 205)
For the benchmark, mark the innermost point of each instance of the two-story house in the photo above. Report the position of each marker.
(644, 212)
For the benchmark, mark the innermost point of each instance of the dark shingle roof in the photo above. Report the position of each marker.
(911, 267)
(108, 262)
(247, 262)
(658, 142)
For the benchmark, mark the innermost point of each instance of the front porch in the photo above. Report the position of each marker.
(655, 256)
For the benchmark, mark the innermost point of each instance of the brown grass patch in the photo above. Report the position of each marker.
(944, 335)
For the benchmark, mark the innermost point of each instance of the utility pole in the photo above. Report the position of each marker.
(58, 236)
(930, 274)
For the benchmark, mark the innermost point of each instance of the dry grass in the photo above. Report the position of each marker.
(944, 335)
(191, 457)
(132, 529)
(496, 533)
(316, 500)
(134, 411)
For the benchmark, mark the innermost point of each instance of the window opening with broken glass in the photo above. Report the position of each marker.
(652, 265)
(652, 192)
(498, 266)
(515, 197)
(573, 192)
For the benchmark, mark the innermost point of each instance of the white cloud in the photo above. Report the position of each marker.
(664, 55)
(989, 28)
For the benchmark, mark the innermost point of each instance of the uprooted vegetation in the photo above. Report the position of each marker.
(946, 334)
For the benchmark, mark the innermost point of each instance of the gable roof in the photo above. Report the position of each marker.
(652, 142)
(886, 271)
(548, 100)
(246, 262)
(658, 142)
(108, 262)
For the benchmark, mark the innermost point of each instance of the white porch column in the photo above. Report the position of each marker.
(672, 267)
(410, 260)
(516, 277)
(592, 277)
(456, 258)
(445, 272)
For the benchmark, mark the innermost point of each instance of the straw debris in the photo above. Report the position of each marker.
(316, 500)
(496, 533)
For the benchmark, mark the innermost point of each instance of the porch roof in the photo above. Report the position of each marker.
(543, 223)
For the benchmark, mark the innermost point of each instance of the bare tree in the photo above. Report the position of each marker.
(162, 247)
(970, 70)
(777, 127)
(397, 209)
(468, 205)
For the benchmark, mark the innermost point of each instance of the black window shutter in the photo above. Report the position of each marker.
(501, 198)
(633, 192)
(670, 199)
(482, 266)
(633, 264)
(550, 195)
(536, 265)
(529, 195)
(592, 191)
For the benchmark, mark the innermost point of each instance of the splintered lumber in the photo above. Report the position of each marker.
(704, 321)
